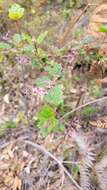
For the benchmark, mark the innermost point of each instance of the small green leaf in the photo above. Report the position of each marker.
(16, 12)
(89, 111)
(28, 48)
(47, 122)
(54, 96)
(41, 37)
(17, 38)
(42, 82)
(54, 69)
(103, 29)
(4, 45)
(95, 91)
(45, 114)
(26, 37)
(41, 53)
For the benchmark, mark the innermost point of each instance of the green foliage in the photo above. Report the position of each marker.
(41, 53)
(42, 82)
(54, 69)
(54, 96)
(4, 46)
(16, 12)
(89, 111)
(27, 48)
(41, 37)
(6, 125)
(17, 39)
(95, 91)
(103, 29)
(47, 122)
(21, 38)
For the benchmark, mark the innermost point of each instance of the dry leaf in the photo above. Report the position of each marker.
(101, 123)
(98, 18)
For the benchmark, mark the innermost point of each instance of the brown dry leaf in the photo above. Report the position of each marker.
(97, 69)
(101, 123)
(98, 18)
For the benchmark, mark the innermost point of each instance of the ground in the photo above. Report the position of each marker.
(53, 92)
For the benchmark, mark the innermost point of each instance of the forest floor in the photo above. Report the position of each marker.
(56, 140)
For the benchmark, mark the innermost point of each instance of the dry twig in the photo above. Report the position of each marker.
(42, 149)
(82, 106)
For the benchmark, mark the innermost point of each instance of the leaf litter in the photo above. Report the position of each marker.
(25, 168)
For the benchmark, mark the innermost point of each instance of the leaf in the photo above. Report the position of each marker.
(89, 111)
(54, 70)
(47, 121)
(103, 29)
(16, 12)
(17, 38)
(41, 37)
(26, 37)
(27, 48)
(41, 53)
(4, 45)
(42, 82)
(45, 114)
(54, 96)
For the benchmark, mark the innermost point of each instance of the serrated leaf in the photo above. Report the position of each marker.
(54, 96)
(46, 113)
(54, 70)
(4, 45)
(42, 82)
(27, 49)
(47, 122)
(17, 38)
(41, 37)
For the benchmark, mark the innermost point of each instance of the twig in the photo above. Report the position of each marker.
(70, 162)
(82, 106)
(42, 149)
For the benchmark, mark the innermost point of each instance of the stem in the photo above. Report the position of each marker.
(82, 106)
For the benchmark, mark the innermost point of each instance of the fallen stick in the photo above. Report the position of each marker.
(82, 106)
(42, 149)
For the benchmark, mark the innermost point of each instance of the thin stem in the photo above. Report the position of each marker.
(42, 149)
(82, 106)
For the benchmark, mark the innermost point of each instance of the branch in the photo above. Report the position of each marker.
(82, 106)
(42, 149)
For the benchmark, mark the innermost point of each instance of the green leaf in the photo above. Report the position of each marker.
(103, 29)
(47, 122)
(54, 96)
(6, 125)
(45, 114)
(26, 37)
(17, 38)
(42, 82)
(54, 69)
(95, 91)
(89, 111)
(28, 48)
(4, 45)
(41, 37)
(16, 12)
(41, 53)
